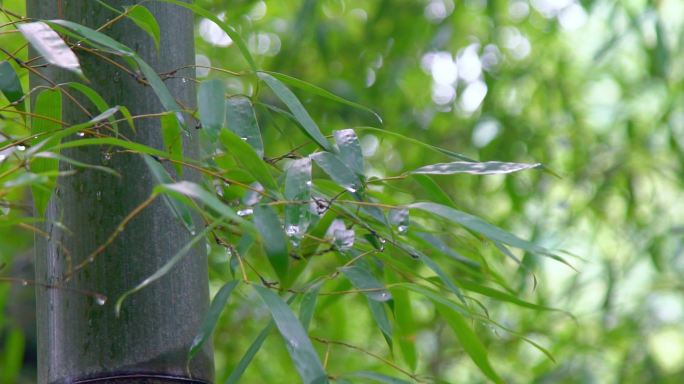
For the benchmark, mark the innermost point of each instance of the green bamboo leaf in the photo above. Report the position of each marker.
(485, 168)
(48, 104)
(49, 45)
(212, 107)
(10, 86)
(94, 37)
(406, 327)
(419, 143)
(308, 305)
(241, 119)
(350, 150)
(480, 226)
(301, 84)
(376, 377)
(211, 318)
(435, 192)
(91, 94)
(246, 359)
(436, 269)
(193, 190)
(272, 239)
(179, 209)
(297, 109)
(439, 245)
(239, 370)
(166, 268)
(13, 355)
(337, 171)
(363, 280)
(232, 33)
(245, 155)
(379, 314)
(58, 157)
(172, 139)
(143, 18)
(469, 341)
(297, 342)
(298, 188)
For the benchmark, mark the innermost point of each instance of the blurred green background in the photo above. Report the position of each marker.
(594, 90)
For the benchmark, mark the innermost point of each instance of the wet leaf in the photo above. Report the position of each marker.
(350, 150)
(337, 171)
(298, 189)
(173, 141)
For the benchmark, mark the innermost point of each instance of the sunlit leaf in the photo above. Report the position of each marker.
(297, 342)
(486, 168)
(49, 45)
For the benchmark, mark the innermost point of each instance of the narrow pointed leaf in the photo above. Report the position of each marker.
(239, 369)
(166, 268)
(297, 342)
(10, 86)
(350, 150)
(337, 171)
(376, 377)
(272, 239)
(308, 305)
(212, 316)
(241, 119)
(297, 109)
(363, 280)
(379, 314)
(143, 18)
(298, 188)
(249, 159)
(486, 168)
(436, 269)
(301, 84)
(48, 104)
(419, 143)
(406, 328)
(172, 139)
(469, 341)
(49, 45)
(179, 209)
(480, 226)
(211, 104)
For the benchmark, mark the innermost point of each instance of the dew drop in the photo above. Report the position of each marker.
(184, 80)
(24, 283)
(382, 241)
(245, 212)
(98, 195)
(292, 230)
(351, 189)
(244, 138)
(2, 158)
(402, 229)
(21, 148)
(308, 183)
(100, 300)
(80, 134)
